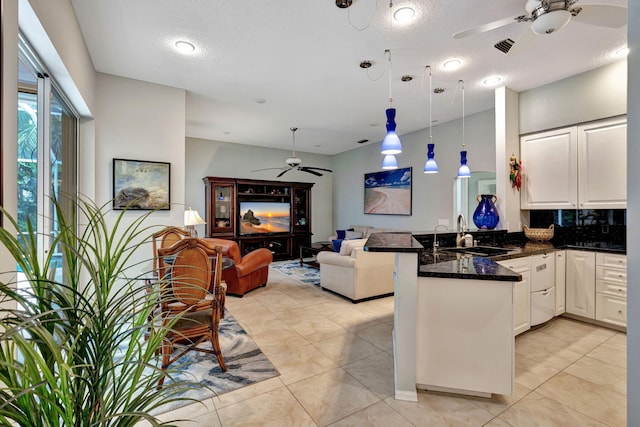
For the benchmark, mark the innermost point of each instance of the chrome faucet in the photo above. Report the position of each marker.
(435, 233)
(461, 228)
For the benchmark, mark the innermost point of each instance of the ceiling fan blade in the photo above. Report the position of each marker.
(304, 169)
(484, 28)
(609, 16)
(522, 42)
(316, 168)
(269, 169)
(283, 172)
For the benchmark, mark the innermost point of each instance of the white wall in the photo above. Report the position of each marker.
(432, 193)
(592, 95)
(215, 158)
(140, 121)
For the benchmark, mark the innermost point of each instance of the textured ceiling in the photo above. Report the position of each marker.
(302, 57)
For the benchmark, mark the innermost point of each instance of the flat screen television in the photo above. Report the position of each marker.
(257, 217)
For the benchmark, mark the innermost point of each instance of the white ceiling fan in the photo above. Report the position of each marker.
(549, 16)
(294, 162)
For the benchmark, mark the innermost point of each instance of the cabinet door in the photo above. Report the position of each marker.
(549, 161)
(560, 282)
(223, 208)
(602, 165)
(581, 283)
(522, 304)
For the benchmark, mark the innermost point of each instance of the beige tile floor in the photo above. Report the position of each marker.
(336, 368)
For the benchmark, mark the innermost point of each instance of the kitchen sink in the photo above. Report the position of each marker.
(486, 251)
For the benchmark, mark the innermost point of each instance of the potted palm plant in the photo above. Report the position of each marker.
(74, 343)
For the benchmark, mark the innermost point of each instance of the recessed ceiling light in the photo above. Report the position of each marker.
(492, 81)
(452, 64)
(622, 52)
(404, 14)
(185, 47)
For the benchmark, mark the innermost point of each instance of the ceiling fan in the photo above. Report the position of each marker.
(294, 162)
(548, 16)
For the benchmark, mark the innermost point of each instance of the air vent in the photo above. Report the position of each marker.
(504, 46)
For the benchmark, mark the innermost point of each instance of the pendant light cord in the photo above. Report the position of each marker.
(463, 144)
(430, 119)
(389, 51)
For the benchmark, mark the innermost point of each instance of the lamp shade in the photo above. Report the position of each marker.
(551, 21)
(391, 143)
(463, 171)
(389, 162)
(191, 217)
(430, 166)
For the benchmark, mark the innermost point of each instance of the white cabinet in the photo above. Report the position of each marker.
(549, 177)
(521, 294)
(560, 281)
(581, 283)
(578, 167)
(611, 289)
(602, 165)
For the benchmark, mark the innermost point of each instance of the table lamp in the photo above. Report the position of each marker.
(191, 219)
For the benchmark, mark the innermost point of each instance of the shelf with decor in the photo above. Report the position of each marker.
(256, 213)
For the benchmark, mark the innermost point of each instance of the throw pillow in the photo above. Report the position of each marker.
(350, 235)
(336, 245)
(341, 233)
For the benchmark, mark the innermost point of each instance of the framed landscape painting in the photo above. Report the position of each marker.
(388, 192)
(142, 185)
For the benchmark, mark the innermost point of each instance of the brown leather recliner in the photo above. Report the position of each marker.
(249, 272)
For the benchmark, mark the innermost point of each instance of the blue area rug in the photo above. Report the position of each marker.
(304, 273)
(246, 364)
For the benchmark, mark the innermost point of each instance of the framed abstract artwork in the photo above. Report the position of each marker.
(388, 192)
(141, 185)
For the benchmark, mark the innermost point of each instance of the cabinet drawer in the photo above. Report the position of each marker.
(611, 288)
(517, 265)
(611, 260)
(618, 275)
(611, 309)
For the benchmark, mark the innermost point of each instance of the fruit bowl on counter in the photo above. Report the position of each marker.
(539, 234)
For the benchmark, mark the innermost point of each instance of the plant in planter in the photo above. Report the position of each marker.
(75, 348)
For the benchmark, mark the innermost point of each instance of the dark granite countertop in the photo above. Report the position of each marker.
(392, 242)
(453, 265)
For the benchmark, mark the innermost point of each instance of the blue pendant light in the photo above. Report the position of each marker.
(389, 162)
(430, 166)
(391, 143)
(463, 171)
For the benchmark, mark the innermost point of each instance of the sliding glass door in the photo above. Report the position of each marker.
(47, 147)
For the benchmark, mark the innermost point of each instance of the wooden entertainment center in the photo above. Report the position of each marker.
(225, 197)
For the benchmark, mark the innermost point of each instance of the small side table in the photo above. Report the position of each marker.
(313, 249)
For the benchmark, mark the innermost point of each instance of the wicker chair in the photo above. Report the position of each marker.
(190, 299)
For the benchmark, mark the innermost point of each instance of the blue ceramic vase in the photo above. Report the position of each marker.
(486, 215)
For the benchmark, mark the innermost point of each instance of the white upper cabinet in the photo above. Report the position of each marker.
(578, 167)
(602, 165)
(549, 175)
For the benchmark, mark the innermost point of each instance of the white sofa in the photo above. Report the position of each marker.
(355, 273)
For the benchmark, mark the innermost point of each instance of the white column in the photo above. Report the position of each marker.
(404, 330)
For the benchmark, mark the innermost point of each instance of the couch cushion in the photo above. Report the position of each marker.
(349, 245)
(341, 233)
(350, 235)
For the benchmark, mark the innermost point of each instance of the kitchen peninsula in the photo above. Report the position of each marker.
(453, 322)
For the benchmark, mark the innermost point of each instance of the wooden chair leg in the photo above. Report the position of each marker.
(166, 358)
(215, 344)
